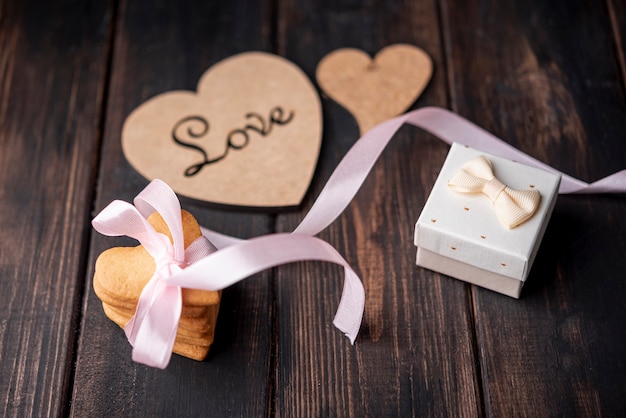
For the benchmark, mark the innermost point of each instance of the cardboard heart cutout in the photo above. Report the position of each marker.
(375, 90)
(250, 136)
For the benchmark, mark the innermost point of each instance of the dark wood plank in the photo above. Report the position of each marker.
(52, 67)
(160, 47)
(544, 76)
(415, 355)
(617, 14)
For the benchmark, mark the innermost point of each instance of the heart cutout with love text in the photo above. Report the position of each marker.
(250, 136)
(375, 90)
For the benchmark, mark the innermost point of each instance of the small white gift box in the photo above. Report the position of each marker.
(462, 231)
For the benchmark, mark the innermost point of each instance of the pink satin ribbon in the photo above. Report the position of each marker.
(152, 330)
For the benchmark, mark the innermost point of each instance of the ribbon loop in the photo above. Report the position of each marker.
(159, 197)
(513, 207)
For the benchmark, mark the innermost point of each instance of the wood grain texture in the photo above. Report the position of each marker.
(415, 354)
(555, 91)
(52, 61)
(548, 77)
(160, 47)
(617, 15)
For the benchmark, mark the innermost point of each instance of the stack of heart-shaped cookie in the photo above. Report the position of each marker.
(122, 272)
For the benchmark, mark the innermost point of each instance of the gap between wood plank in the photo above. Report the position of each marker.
(272, 364)
(452, 102)
(80, 296)
(619, 48)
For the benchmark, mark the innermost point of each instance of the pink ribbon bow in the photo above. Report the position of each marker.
(236, 259)
(152, 329)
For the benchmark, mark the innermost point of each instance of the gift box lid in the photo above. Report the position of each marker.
(465, 226)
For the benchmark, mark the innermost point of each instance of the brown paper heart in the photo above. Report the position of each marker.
(374, 90)
(250, 136)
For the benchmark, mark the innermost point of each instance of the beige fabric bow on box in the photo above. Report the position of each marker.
(513, 207)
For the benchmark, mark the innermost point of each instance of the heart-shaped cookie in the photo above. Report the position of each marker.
(374, 90)
(121, 273)
(250, 136)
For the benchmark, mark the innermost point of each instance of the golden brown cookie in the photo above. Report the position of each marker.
(189, 326)
(194, 352)
(129, 305)
(122, 272)
(197, 339)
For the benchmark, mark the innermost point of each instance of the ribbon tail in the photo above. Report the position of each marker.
(146, 299)
(615, 183)
(350, 310)
(450, 127)
(152, 330)
(239, 261)
(346, 180)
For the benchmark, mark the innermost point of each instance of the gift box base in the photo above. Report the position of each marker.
(474, 275)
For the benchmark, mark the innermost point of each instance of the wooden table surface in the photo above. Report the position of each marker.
(548, 77)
